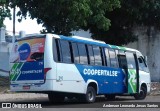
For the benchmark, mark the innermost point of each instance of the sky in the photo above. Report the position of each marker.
(30, 26)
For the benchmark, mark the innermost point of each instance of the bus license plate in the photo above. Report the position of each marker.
(26, 87)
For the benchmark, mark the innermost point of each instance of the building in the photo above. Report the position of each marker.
(5, 44)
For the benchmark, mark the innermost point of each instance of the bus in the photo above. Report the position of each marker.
(78, 67)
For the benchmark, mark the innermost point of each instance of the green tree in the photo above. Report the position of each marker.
(132, 13)
(4, 11)
(108, 20)
(64, 16)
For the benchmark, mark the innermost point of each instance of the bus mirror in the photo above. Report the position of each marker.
(145, 58)
(140, 60)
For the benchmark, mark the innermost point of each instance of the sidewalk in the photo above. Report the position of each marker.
(155, 88)
(4, 84)
(22, 96)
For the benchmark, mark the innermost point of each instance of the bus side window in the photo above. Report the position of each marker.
(71, 50)
(142, 64)
(56, 50)
(97, 55)
(82, 53)
(113, 59)
(107, 57)
(54, 47)
(103, 56)
(130, 60)
(75, 53)
(90, 54)
(65, 50)
(122, 61)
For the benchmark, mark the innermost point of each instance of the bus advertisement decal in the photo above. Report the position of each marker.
(28, 50)
(28, 61)
(132, 81)
(27, 71)
(103, 75)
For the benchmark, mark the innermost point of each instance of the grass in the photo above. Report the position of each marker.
(4, 84)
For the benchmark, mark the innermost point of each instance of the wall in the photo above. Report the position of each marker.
(4, 54)
(149, 44)
(4, 59)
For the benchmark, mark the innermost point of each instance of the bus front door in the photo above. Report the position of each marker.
(127, 61)
(132, 72)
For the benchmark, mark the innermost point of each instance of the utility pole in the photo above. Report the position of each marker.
(14, 17)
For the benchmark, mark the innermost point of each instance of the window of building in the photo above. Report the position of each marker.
(82, 53)
(97, 55)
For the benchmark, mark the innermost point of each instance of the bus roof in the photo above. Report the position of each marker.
(81, 40)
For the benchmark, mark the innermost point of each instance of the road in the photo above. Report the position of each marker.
(122, 101)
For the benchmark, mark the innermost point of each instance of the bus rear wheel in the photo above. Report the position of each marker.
(54, 98)
(90, 95)
(142, 94)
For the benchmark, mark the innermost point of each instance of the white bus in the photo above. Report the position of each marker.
(77, 67)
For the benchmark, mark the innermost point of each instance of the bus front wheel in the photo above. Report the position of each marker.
(142, 94)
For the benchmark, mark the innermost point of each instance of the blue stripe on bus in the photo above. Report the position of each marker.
(83, 41)
(110, 80)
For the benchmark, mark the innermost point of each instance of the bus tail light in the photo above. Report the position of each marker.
(45, 71)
